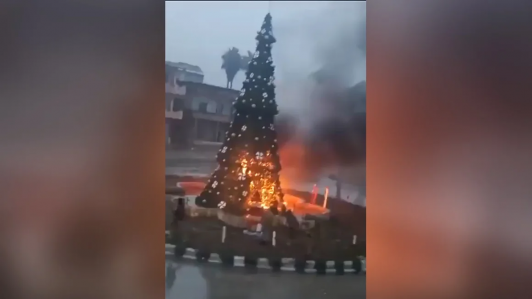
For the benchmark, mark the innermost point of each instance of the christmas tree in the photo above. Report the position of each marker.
(248, 161)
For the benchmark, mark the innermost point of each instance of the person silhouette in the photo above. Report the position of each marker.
(179, 214)
(292, 223)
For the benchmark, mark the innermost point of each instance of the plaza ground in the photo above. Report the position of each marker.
(333, 241)
(187, 279)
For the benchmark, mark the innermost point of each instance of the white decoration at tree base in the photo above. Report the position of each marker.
(223, 233)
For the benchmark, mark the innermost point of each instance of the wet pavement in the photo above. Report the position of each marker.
(187, 279)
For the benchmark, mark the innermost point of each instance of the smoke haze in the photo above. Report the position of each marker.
(331, 40)
(323, 57)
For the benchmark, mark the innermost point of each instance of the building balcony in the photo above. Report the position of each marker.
(174, 114)
(176, 89)
(212, 116)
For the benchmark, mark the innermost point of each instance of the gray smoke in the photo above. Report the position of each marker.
(322, 80)
(330, 44)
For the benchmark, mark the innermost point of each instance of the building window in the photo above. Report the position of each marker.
(226, 109)
(202, 107)
(199, 101)
(177, 105)
(211, 107)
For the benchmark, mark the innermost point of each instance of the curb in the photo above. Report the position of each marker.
(284, 264)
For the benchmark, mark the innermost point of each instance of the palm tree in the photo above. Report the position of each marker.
(232, 63)
(245, 61)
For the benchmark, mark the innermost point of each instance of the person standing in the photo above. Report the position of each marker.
(293, 225)
(180, 211)
(269, 222)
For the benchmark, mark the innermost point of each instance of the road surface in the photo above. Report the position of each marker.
(187, 279)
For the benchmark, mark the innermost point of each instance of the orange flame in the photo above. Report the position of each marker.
(261, 182)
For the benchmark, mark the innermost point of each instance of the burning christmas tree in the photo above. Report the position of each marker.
(248, 161)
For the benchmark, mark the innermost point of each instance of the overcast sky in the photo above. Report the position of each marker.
(199, 32)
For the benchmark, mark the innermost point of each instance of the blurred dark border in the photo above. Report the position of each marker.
(448, 149)
(82, 148)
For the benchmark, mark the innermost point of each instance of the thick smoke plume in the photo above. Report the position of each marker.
(322, 89)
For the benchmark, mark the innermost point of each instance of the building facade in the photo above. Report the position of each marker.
(196, 112)
(212, 110)
(177, 117)
(183, 72)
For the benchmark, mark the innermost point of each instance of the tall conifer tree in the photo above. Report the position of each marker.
(248, 161)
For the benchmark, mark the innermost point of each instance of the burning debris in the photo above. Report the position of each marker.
(336, 137)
